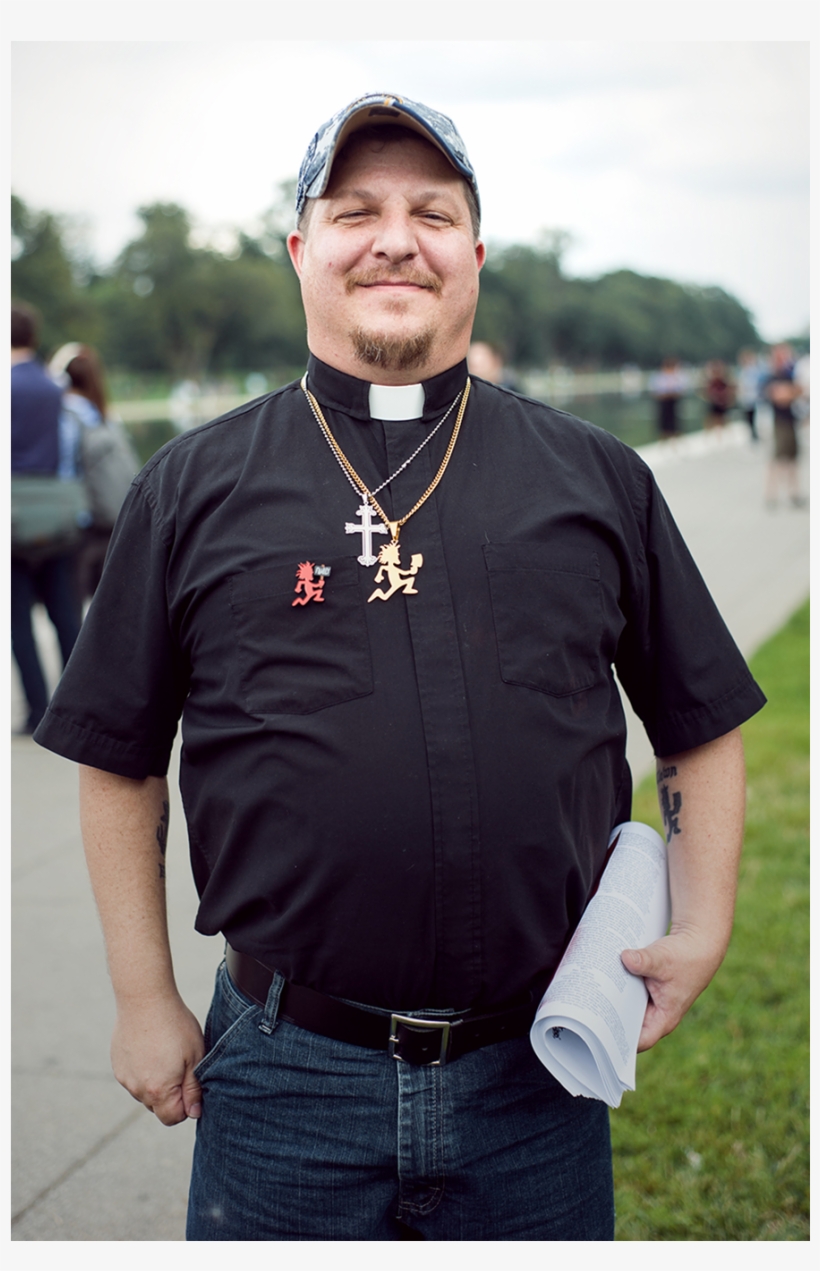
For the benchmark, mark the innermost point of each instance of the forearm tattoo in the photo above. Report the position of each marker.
(162, 838)
(671, 802)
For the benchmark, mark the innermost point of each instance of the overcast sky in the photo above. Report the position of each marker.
(687, 160)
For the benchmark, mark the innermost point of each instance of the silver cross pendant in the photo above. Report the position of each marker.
(367, 529)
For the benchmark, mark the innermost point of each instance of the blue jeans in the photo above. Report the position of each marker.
(51, 581)
(304, 1138)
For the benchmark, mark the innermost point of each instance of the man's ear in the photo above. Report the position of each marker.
(480, 253)
(296, 250)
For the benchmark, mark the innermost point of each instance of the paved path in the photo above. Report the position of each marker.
(88, 1162)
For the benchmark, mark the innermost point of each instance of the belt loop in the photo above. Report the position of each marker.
(269, 1020)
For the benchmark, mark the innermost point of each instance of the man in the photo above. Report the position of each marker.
(748, 388)
(782, 392)
(487, 362)
(43, 570)
(668, 387)
(397, 807)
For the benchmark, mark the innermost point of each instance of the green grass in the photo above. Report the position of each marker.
(713, 1145)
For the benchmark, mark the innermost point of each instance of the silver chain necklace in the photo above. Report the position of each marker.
(406, 463)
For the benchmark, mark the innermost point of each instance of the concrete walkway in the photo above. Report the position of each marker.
(88, 1163)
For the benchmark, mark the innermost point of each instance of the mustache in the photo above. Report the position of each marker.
(368, 277)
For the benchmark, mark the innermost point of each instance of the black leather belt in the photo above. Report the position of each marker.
(406, 1038)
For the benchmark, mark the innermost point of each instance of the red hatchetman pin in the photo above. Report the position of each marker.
(310, 581)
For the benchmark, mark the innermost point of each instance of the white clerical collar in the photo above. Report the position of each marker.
(396, 401)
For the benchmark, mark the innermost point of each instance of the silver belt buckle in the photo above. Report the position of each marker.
(413, 1022)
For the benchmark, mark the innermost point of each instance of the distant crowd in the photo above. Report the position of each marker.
(776, 383)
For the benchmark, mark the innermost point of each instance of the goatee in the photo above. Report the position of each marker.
(390, 353)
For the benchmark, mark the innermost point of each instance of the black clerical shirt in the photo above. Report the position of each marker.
(402, 802)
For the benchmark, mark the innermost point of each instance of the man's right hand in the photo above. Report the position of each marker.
(157, 1042)
(154, 1050)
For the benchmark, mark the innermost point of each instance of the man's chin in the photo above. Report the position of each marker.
(392, 352)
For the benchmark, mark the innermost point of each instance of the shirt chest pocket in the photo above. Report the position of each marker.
(296, 658)
(548, 616)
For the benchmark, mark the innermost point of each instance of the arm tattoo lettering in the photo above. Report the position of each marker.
(670, 809)
(665, 773)
(162, 837)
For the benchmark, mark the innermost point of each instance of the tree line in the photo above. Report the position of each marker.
(171, 306)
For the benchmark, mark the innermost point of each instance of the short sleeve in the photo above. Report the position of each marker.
(676, 659)
(120, 697)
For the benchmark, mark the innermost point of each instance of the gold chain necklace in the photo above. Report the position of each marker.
(398, 579)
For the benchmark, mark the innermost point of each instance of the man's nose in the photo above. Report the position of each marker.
(395, 238)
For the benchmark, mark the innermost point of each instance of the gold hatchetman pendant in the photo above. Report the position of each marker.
(398, 579)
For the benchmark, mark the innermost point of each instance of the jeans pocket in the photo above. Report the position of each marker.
(230, 1010)
(548, 616)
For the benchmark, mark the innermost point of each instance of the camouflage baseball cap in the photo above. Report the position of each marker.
(378, 108)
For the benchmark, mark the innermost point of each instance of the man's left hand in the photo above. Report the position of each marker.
(676, 969)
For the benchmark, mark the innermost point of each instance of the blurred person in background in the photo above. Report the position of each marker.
(487, 362)
(749, 376)
(103, 457)
(45, 512)
(802, 378)
(668, 387)
(719, 393)
(782, 392)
